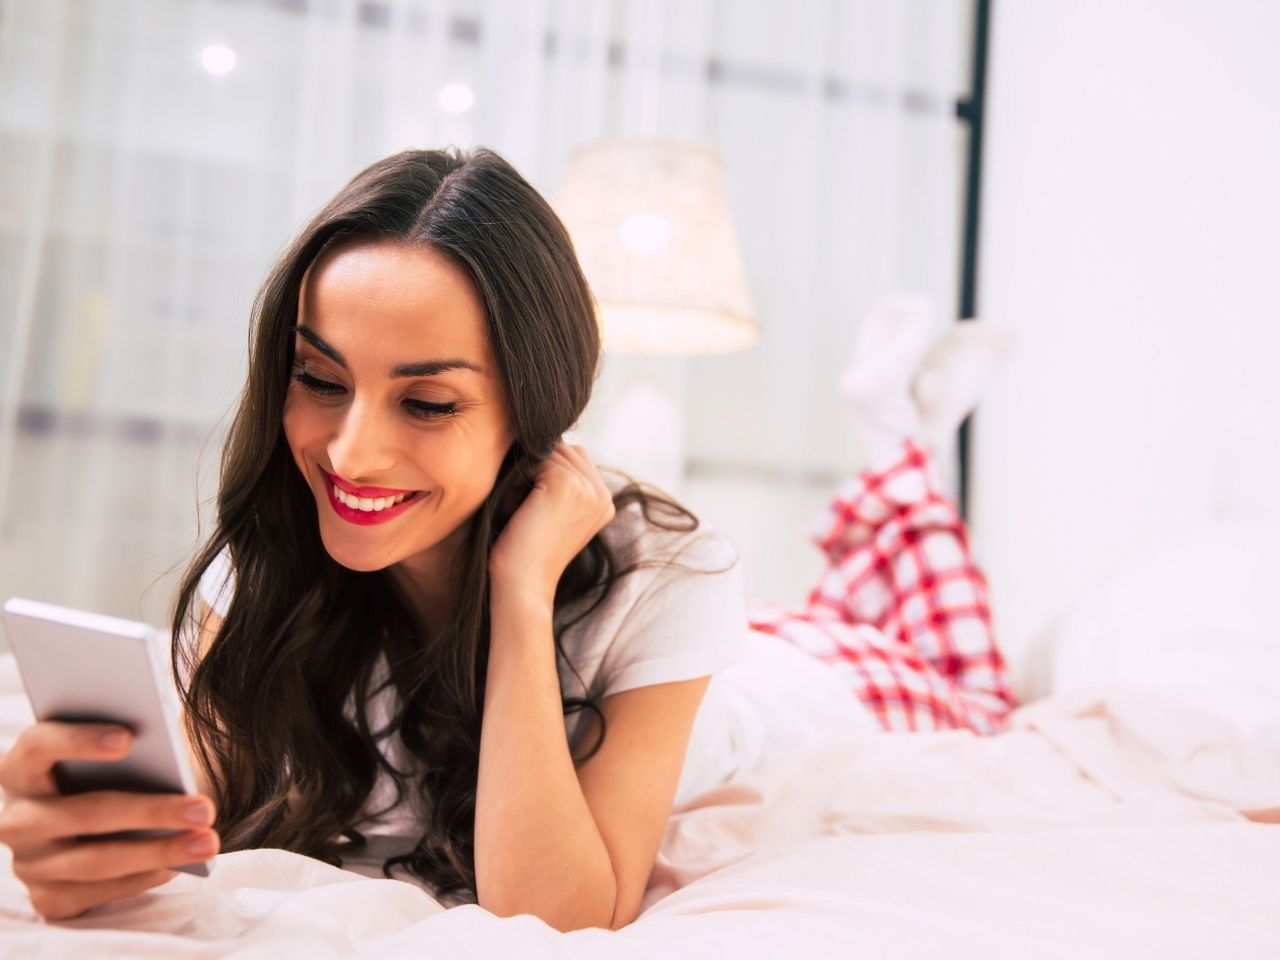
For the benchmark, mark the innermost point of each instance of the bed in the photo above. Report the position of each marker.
(1127, 813)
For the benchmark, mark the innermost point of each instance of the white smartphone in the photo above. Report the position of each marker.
(86, 667)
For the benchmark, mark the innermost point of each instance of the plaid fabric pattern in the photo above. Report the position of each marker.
(901, 610)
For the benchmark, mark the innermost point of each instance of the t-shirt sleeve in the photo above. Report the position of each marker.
(214, 589)
(217, 583)
(685, 623)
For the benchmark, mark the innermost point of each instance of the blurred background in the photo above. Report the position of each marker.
(1117, 207)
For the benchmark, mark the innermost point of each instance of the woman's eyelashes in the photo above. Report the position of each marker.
(426, 410)
(421, 409)
(316, 385)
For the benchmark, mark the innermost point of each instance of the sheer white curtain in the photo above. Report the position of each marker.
(146, 182)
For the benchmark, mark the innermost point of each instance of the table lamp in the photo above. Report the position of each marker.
(651, 226)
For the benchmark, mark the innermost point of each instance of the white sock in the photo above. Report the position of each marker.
(891, 341)
(952, 377)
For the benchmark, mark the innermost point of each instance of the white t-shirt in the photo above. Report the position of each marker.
(659, 624)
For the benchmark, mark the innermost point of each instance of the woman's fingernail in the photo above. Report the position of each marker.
(203, 845)
(116, 740)
(197, 811)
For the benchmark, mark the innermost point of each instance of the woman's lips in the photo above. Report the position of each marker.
(370, 517)
(356, 491)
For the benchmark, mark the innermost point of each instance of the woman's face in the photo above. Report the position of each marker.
(394, 396)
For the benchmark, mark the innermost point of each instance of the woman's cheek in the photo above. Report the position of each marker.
(304, 434)
(300, 421)
(289, 416)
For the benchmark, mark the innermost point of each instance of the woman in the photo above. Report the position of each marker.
(405, 547)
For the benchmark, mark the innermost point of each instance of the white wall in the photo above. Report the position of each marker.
(1131, 234)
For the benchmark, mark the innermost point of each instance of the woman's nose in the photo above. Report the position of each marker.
(362, 447)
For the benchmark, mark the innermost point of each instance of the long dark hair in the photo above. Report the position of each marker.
(266, 705)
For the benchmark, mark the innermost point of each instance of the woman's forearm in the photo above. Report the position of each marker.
(537, 847)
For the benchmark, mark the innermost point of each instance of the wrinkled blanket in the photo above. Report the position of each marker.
(1113, 823)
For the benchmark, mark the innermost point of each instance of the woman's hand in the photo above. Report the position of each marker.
(568, 505)
(66, 876)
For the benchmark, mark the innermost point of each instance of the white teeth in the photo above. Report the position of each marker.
(367, 504)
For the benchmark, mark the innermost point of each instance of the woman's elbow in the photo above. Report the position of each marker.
(566, 917)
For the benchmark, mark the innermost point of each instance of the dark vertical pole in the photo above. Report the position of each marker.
(972, 110)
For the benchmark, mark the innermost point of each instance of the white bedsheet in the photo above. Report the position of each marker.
(1104, 824)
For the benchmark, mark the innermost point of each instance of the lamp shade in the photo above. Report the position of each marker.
(651, 227)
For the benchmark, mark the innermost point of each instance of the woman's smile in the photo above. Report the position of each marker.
(368, 505)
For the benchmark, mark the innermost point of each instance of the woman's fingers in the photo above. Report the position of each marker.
(101, 860)
(584, 467)
(31, 821)
(63, 900)
(577, 459)
(66, 876)
(28, 766)
(577, 454)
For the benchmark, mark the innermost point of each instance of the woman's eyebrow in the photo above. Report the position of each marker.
(429, 368)
(314, 339)
(424, 368)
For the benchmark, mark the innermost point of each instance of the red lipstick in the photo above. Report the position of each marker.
(369, 517)
(356, 491)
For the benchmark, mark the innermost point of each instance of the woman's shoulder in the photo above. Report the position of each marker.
(654, 527)
(217, 583)
(675, 611)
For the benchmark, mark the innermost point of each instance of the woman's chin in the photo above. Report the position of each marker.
(360, 567)
(356, 560)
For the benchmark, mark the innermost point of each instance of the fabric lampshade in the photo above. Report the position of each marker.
(651, 226)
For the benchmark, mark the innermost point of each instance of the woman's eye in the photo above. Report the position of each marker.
(419, 409)
(316, 385)
(430, 411)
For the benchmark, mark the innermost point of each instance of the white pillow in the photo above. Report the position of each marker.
(1197, 620)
